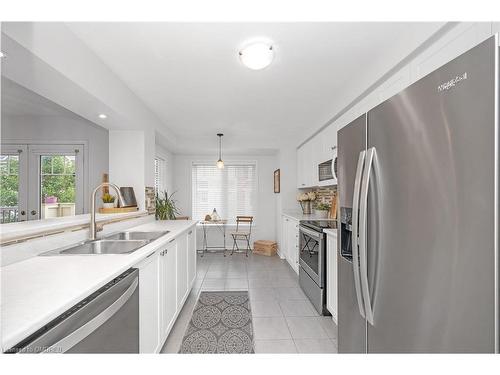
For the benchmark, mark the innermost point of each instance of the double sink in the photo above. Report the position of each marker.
(117, 243)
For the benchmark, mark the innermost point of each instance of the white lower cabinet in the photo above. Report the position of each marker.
(168, 288)
(290, 242)
(182, 269)
(149, 305)
(331, 275)
(191, 258)
(165, 280)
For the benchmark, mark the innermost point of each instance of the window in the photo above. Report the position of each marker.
(231, 191)
(160, 169)
(9, 188)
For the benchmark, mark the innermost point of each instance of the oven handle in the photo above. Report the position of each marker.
(354, 233)
(316, 235)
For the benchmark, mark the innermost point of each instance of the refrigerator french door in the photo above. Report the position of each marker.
(423, 275)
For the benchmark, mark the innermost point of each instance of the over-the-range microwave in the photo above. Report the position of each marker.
(327, 171)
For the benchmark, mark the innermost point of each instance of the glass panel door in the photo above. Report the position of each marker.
(57, 175)
(13, 175)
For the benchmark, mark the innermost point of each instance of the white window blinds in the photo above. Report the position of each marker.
(231, 191)
(160, 169)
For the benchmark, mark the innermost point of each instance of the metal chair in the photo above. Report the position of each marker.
(242, 234)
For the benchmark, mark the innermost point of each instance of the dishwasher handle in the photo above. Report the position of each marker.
(67, 342)
(82, 319)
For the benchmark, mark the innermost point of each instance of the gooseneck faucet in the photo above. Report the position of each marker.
(93, 228)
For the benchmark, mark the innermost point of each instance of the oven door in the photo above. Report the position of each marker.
(311, 245)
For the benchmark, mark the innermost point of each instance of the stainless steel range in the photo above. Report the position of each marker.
(312, 262)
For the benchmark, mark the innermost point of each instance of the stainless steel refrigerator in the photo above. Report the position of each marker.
(418, 189)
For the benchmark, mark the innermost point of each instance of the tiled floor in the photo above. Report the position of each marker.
(284, 320)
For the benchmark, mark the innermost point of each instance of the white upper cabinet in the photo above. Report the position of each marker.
(315, 151)
(305, 162)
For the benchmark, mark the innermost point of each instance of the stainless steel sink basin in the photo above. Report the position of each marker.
(100, 247)
(134, 235)
(118, 243)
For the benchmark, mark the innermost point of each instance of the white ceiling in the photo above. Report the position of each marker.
(189, 74)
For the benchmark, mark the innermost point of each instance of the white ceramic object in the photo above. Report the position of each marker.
(108, 205)
(321, 214)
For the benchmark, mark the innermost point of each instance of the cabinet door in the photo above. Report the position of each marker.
(293, 244)
(191, 257)
(168, 287)
(301, 181)
(331, 276)
(308, 164)
(316, 157)
(284, 238)
(149, 304)
(182, 268)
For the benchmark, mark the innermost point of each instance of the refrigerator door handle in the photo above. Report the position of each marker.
(355, 223)
(370, 155)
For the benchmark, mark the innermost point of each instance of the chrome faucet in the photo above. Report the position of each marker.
(93, 227)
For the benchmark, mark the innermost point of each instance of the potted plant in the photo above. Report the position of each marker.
(166, 208)
(305, 200)
(321, 210)
(108, 200)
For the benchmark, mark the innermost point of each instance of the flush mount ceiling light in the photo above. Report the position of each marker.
(220, 163)
(103, 116)
(257, 55)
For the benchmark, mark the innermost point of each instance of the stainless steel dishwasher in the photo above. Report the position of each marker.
(105, 322)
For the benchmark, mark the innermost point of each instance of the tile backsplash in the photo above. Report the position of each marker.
(325, 194)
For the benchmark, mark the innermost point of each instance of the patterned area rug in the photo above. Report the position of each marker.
(221, 323)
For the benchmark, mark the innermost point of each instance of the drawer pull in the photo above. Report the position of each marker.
(172, 240)
(190, 232)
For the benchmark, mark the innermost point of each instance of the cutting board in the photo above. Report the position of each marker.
(333, 208)
(117, 210)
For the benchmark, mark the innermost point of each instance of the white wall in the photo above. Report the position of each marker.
(265, 216)
(127, 156)
(67, 128)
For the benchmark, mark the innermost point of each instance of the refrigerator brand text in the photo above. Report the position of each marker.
(452, 82)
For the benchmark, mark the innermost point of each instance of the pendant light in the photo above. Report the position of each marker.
(220, 163)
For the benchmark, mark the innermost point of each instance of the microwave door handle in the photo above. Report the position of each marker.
(354, 233)
(370, 156)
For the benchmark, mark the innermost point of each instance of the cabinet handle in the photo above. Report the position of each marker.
(172, 240)
(150, 255)
(190, 232)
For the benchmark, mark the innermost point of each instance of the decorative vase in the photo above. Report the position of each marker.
(108, 205)
(306, 207)
(51, 199)
(321, 214)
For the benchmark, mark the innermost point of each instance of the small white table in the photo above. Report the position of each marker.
(220, 225)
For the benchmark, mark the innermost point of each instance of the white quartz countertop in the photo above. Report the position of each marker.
(39, 289)
(298, 215)
(32, 227)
